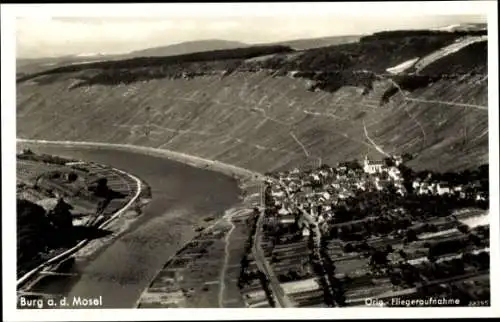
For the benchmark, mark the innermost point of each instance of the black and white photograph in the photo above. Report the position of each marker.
(225, 155)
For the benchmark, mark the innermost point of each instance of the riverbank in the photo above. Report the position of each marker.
(194, 161)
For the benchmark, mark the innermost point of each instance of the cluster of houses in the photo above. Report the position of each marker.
(312, 194)
(385, 175)
(380, 170)
(430, 187)
(318, 191)
(308, 198)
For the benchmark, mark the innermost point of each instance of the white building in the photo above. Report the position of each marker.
(301, 286)
(325, 196)
(278, 194)
(287, 219)
(324, 173)
(398, 160)
(480, 197)
(394, 173)
(401, 191)
(443, 189)
(424, 189)
(335, 185)
(283, 212)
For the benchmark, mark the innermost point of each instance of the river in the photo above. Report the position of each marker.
(181, 196)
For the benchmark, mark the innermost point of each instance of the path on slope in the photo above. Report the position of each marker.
(479, 107)
(375, 145)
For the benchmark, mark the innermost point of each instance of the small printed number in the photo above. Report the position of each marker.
(479, 303)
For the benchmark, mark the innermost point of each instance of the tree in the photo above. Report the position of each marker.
(72, 176)
(378, 258)
(474, 239)
(407, 157)
(348, 248)
(28, 152)
(34, 231)
(61, 216)
(464, 229)
(411, 235)
(389, 162)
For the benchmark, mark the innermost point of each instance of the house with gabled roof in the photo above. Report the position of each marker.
(443, 188)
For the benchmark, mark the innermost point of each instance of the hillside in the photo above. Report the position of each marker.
(270, 108)
(303, 44)
(35, 65)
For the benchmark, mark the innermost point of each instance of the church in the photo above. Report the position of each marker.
(372, 167)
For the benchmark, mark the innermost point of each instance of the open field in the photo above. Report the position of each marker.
(207, 268)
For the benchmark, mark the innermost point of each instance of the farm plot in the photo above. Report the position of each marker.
(206, 271)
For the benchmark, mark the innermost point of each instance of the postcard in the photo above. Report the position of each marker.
(176, 161)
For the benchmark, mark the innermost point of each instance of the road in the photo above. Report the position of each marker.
(317, 241)
(226, 260)
(282, 300)
(479, 107)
